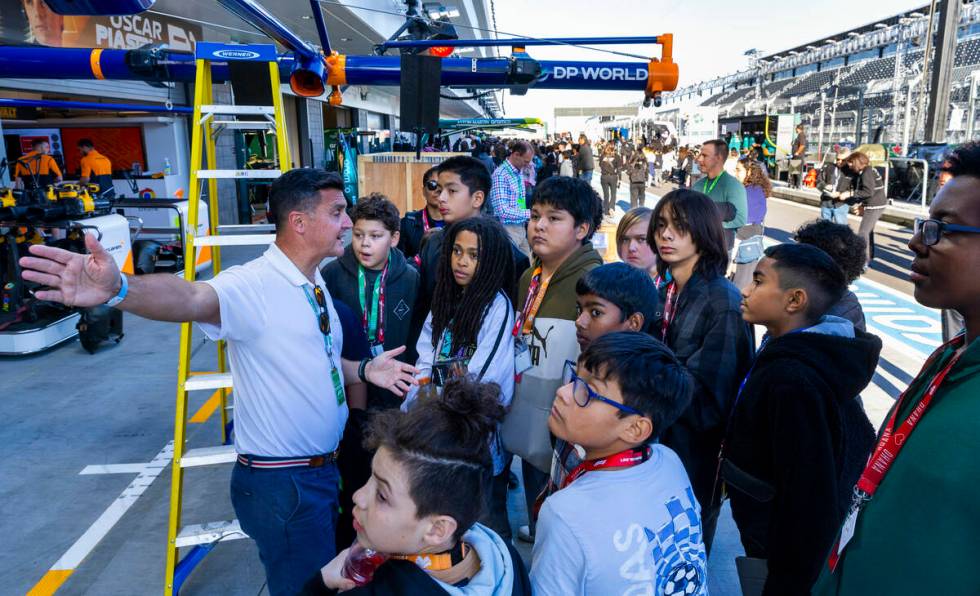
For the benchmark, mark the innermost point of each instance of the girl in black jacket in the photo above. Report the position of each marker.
(423, 499)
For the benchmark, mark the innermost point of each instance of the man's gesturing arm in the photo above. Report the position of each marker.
(89, 280)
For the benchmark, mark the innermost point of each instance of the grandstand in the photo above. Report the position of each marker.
(857, 86)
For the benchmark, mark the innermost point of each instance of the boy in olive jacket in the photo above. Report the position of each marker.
(565, 215)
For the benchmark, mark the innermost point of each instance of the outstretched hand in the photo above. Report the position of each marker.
(73, 279)
(388, 373)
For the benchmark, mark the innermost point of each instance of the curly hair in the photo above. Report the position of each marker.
(846, 248)
(444, 445)
(463, 309)
(755, 176)
(377, 207)
(964, 160)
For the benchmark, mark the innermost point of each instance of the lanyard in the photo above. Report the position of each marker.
(707, 189)
(535, 295)
(891, 441)
(623, 459)
(670, 309)
(425, 220)
(327, 336)
(373, 324)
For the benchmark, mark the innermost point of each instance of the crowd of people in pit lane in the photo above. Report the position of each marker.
(397, 383)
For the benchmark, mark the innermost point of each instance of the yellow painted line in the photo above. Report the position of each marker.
(208, 408)
(50, 583)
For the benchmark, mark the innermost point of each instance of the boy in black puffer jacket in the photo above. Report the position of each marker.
(375, 280)
(798, 439)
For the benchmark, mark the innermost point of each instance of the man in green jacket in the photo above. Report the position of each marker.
(723, 188)
(915, 524)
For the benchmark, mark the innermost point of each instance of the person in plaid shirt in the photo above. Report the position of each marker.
(700, 319)
(508, 196)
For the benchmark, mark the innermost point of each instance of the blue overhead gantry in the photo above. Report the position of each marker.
(311, 70)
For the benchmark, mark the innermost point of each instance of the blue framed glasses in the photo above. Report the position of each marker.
(583, 394)
(933, 229)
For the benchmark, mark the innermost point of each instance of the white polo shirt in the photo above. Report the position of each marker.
(285, 405)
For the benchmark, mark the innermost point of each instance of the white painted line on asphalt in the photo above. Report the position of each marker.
(98, 530)
(856, 218)
(113, 469)
(893, 344)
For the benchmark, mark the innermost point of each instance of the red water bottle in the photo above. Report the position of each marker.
(361, 563)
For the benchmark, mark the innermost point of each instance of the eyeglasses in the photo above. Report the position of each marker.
(583, 394)
(321, 301)
(431, 185)
(932, 230)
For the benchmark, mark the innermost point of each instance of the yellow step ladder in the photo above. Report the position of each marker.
(211, 120)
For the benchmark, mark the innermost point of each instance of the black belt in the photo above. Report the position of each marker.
(272, 463)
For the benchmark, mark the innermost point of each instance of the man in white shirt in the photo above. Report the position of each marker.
(284, 343)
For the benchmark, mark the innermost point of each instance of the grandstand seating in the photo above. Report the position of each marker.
(812, 83)
(882, 68)
(967, 53)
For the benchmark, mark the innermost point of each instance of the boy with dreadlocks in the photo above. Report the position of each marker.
(466, 332)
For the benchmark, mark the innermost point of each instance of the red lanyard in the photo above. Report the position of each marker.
(529, 311)
(425, 221)
(670, 309)
(891, 441)
(623, 459)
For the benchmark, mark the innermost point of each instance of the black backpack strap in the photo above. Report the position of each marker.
(496, 344)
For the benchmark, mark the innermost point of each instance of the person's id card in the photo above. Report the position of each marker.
(338, 385)
(522, 356)
(377, 349)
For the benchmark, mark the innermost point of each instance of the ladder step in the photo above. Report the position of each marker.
(244, 124)
(255, 174)
(209, 532)
(235, 240)
(211, 381)
(238, 110)
(242, 228)
(208, 456)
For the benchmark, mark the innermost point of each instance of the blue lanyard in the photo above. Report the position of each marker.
(327, 337)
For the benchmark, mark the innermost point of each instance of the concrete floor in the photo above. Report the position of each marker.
(65, 410)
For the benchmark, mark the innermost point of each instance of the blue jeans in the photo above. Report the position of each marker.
(291, 514)
(587, 175)
(835, 214)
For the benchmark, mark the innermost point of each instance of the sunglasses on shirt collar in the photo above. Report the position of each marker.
(324, 317)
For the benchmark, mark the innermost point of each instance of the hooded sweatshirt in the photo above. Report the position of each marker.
(797, 444)
(401, 289)
(552, 342)
(502, 573)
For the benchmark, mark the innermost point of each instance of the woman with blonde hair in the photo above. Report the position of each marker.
(750, 236)
(868, 193)
(631, 240)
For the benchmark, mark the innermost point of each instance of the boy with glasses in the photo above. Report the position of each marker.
(625, 520)
(912, 526)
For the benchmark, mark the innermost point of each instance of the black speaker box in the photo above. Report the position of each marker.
(420, 83)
